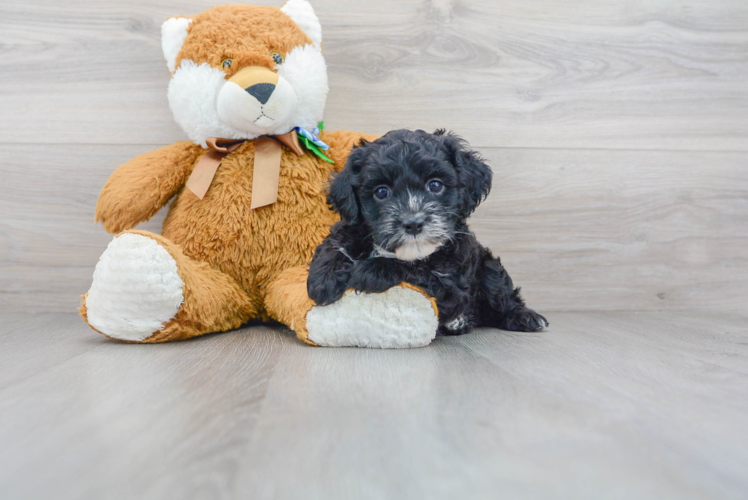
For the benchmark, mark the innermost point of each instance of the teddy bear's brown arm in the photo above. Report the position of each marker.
(140, 187)
(341, 142)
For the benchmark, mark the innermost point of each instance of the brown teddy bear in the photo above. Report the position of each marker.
(248, 86)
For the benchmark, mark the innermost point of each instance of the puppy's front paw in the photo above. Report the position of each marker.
(325, 290)
(523, 319)
(372, 276)
(457, 326)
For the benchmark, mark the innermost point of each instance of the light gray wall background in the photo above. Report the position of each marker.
(617, 131)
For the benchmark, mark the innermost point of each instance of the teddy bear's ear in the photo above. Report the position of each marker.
(303, 14)
(173, 33)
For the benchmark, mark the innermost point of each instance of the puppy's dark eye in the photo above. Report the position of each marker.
(381, 192)
(435, 186)
(226, 64)
(277, 58)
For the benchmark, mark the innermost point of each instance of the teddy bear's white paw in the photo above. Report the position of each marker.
(400, 317)
(136, 289)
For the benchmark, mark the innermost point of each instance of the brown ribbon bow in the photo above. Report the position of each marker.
(266, 169)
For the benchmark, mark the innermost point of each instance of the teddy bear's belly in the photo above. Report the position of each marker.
(253, 246)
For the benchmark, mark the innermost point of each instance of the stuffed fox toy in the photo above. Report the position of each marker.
(248, 87)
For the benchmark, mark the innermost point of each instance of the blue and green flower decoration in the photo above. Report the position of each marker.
(313, 143)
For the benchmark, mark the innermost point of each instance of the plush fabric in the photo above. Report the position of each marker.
(403, 316)
(212, 301)
(231, 253)
(234, 263)
(245, 33)
(134, 266)
(247, 36)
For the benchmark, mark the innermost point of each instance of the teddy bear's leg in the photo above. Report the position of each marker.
(146, 290)
(403, 316)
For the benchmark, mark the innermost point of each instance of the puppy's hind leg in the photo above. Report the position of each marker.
(500, 304)
(522, 318)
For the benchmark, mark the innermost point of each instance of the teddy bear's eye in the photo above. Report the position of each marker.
(277, 58)
(226, 64)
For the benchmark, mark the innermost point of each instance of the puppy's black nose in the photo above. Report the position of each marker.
(261, 91)
(413, 225)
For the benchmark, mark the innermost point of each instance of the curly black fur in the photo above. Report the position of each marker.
(471, 286)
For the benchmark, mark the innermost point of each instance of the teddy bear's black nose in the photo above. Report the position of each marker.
(413, 225)
(261, 91)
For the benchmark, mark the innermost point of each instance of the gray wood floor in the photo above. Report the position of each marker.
(603, 405)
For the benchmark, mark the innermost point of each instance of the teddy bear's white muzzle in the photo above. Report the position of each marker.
(258, 109)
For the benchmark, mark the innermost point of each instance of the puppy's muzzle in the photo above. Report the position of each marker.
(414, 224)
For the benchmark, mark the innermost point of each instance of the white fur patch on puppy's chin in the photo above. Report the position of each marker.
(415, 250)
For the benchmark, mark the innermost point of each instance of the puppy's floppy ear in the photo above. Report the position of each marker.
(342, 195)
(474, 174)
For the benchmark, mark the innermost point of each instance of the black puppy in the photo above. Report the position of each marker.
(403, 200)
